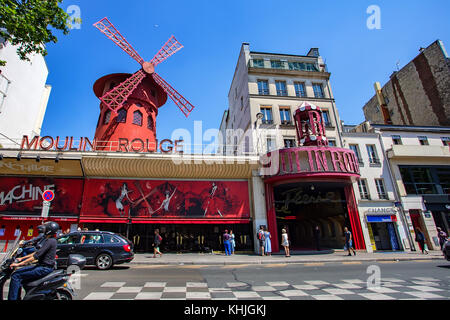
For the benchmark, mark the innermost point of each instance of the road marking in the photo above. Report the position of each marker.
(275, 265)
(235, 266)
(388, 261)
(314, 264)
(352, 262)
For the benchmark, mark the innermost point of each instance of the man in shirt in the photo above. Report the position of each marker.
(46, 261)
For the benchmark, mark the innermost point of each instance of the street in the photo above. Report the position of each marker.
(352, 280)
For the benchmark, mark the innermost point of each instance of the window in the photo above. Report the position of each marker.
(150, 124)
(267, 112)
(137, 118)
(445, 141)
(263, 87)
(372, 151)
(270, 144)
(258, 63)
(363, 190)
(300, 90)
(122, 116)
(285, 115)
(355, 149)
(281, 88)
(423, 140)
(331, 143)
(107, 117)
(289, 142)
(318, 90)
(326, 118)
(277, 64)
(69, 239)
(419, 180)
(380, 189)
(91, 238)
(109, 238)
(297, 66)
(397, 140)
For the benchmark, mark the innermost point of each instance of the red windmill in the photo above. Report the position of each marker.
(140, 94)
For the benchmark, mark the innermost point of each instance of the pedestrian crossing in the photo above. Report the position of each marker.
(418, 288)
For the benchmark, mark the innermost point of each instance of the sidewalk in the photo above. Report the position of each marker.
(296, 257)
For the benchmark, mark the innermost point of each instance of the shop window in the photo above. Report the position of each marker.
(137, 118)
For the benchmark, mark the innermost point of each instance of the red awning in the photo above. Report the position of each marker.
(166, 221)
(38, 218)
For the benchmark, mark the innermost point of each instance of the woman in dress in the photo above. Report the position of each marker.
(232, 241)
(285, 242)
(267, 242)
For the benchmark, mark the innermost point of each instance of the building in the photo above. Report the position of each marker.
(418, 164)
(274, 85)
(417, 94)
(23, 95)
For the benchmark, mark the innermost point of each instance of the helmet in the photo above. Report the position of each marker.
(41, 228)
(51, 228)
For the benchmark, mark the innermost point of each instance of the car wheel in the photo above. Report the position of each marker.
(104, 261)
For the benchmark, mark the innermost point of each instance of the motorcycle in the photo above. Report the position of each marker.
(54, 286)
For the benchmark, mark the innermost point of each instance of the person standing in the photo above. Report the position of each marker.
(232, 242)
(349, 242)
(261, 239)
(317, 237)
(442, 237)
(285, 242)
(420, 238)
(156, 243)
(267, 242)
(226, 243)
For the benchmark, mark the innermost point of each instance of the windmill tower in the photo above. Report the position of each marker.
(129, 103)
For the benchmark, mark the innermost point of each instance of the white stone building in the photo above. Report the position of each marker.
(24, 95)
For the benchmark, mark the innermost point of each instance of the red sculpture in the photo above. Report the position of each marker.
(310, 126)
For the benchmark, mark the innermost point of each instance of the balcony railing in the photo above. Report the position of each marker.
(284, 65)
(263, 92)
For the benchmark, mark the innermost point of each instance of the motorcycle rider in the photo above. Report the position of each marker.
(46, 260)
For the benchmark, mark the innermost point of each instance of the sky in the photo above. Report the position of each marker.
(212, 32)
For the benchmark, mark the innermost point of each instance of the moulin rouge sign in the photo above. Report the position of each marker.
(85, 144)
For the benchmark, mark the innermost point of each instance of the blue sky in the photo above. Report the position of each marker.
(212, 32)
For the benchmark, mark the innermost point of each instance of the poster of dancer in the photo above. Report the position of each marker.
(165, 199)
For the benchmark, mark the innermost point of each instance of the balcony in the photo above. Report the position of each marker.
(410, 151)
(286, 67)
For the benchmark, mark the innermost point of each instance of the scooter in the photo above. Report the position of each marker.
(54, 286)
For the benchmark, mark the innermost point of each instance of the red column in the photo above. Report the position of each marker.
(271, 217)
(355, 222)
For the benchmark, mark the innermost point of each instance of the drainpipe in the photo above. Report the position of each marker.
(396, 194)
(338, 124)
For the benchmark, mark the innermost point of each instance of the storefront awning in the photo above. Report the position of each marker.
(167, 221)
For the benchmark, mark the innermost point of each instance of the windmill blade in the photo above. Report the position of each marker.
(169, 48)
(185, 106)
(115, 98)
(106, 27)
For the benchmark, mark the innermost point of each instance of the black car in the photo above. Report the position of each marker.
(100, 248)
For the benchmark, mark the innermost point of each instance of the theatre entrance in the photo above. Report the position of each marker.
(300, 207)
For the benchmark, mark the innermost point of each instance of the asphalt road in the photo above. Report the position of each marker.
(424, 280)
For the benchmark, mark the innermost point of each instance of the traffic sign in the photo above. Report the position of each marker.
(45, 209)
(48, 195)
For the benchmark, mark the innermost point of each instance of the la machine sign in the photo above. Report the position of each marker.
(47, 143)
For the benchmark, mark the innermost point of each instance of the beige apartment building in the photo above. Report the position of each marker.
(273, 86)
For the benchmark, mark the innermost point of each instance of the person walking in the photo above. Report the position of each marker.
(267, 242)
(156, 243)
(317, 237)
(227, 243)
(285, 242)
(420, 238)
(261, 239)
(232, 242)
(442, 237)
(349, 242)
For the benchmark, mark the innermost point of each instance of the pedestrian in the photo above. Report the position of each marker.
(267, 242)
(232, 241)
(442, 237)
(420, 238)
(226, 243)
(349, 242)
(156, 243)
(261, 239)
(317, 237)
(285, 242)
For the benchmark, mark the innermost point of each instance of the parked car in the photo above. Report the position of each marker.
(446, 250)
(100, 248)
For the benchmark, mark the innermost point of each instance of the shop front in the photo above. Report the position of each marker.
(382, 224)
(191, 216)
